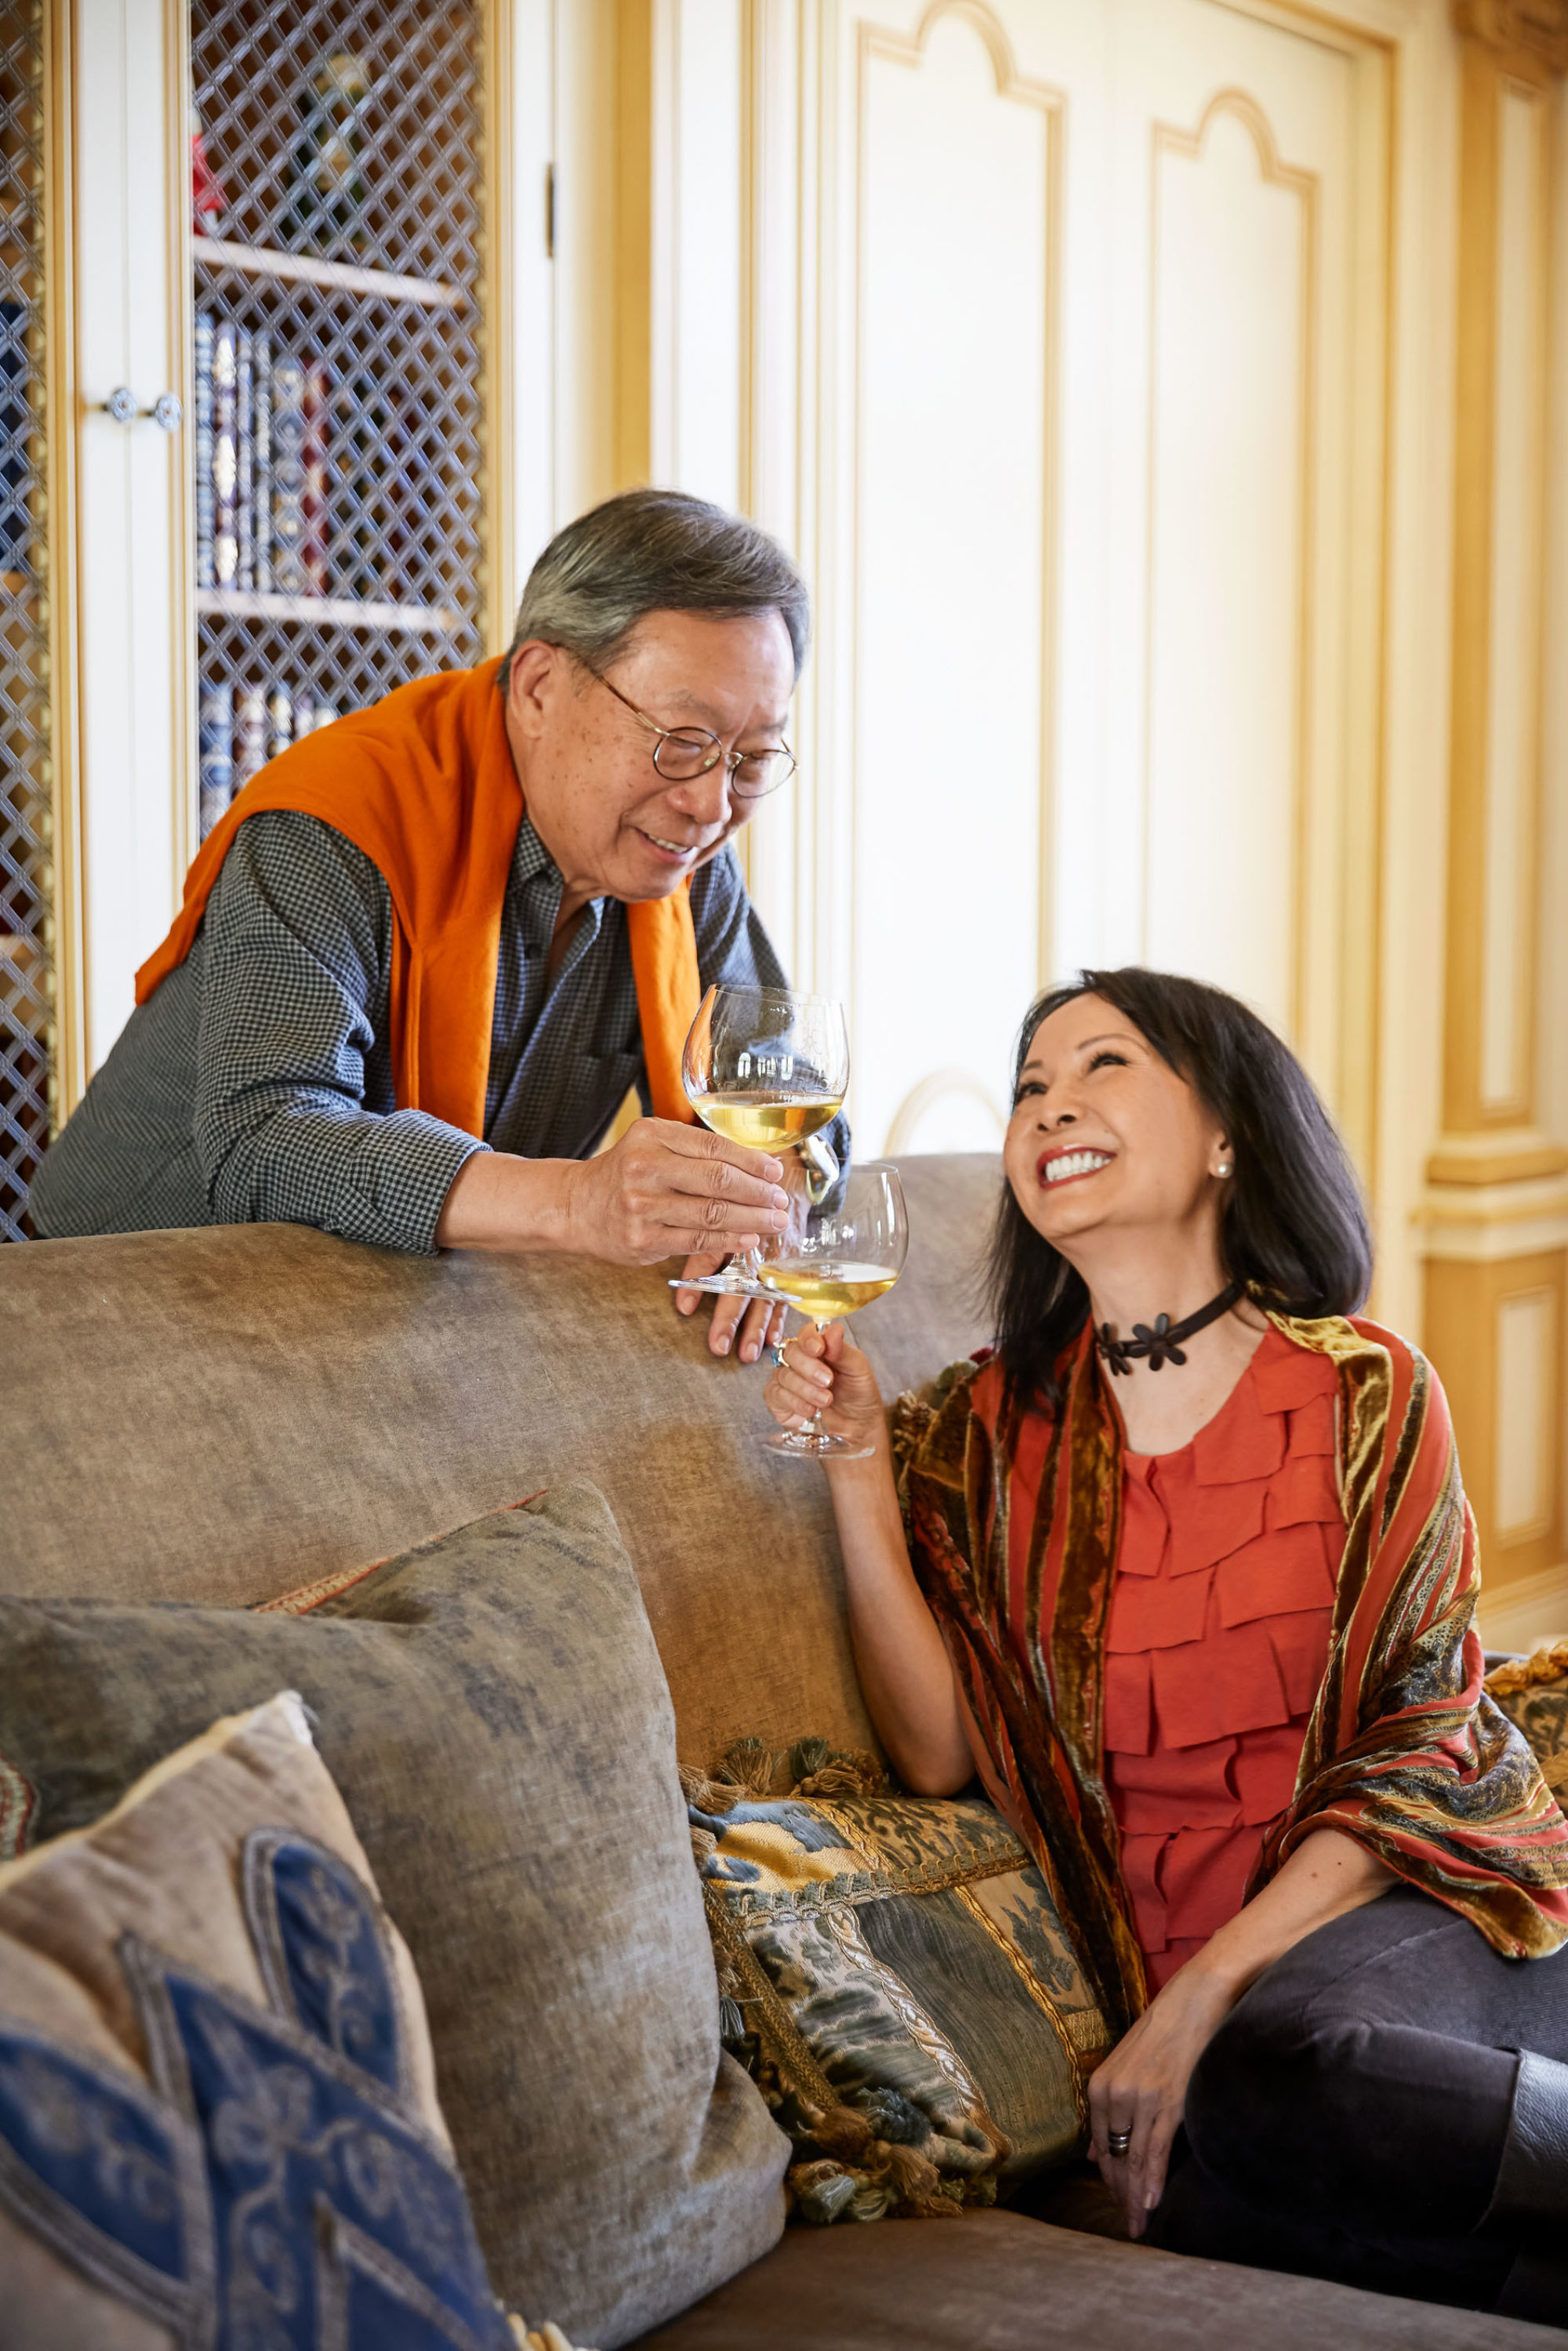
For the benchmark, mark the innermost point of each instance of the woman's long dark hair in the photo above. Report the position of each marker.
(1293, 1226)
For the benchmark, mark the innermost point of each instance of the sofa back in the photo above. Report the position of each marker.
(224, 1413)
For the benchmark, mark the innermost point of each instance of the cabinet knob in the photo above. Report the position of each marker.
(125, 408)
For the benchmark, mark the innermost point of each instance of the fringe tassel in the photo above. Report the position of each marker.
(548, 2337)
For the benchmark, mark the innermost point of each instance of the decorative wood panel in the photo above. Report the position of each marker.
(954, 482)
(1232, 447)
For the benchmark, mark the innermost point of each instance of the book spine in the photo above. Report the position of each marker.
(288, 477)
(314, 451)
(249, 734)
(206, 576)
(215, 755)
(225, 460)
(263, 436)
(245, 462)
(280, 721)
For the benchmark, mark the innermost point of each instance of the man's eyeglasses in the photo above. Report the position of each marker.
(684, 753)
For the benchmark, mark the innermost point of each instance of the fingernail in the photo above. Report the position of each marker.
(1151, 2199)
(721, 1346)
(780, 1197)
(776, 1168)
(749, 1352)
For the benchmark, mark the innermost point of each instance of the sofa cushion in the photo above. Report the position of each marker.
(220, 1414)
(218, 2104)
(1533, 1693)
(492, 1707)
(996, 2281)
(901, 1985)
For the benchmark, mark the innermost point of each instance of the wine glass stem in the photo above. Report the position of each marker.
(816, 1429)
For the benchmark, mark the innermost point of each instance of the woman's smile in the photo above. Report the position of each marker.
(1068, 1163)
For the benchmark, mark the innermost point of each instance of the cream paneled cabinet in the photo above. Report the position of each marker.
(373, 235)
(1089, 478)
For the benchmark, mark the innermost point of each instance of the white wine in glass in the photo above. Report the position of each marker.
(766, 1067)
(851, 1252)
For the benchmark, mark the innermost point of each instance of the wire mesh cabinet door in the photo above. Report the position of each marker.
(29, 1028)
(339, 445)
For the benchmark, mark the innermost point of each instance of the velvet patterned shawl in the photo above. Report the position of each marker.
(1013, 1519)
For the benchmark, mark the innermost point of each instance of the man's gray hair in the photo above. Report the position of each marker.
(655, 551)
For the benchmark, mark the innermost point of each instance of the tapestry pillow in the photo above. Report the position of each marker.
(218, 2119)
(897, 1980)
(492, 1707)
(1533, 1692)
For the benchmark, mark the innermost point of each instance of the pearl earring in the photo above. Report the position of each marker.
(1223, 1168)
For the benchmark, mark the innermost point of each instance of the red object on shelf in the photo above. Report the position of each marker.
(209, 200)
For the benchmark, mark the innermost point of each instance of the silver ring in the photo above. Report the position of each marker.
(1119, 2142)
(776, 1352)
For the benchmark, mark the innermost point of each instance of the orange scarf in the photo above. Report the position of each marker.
(423, 783)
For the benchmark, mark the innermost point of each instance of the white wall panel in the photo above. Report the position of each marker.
(953, 530)
(1083, 404)
(133, 616)
(1526, 1346)
(1229, 472)
(699, 211)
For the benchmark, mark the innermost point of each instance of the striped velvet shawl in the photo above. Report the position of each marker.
(1014, 1519)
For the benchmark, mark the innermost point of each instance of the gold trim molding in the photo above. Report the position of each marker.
(1528, 37)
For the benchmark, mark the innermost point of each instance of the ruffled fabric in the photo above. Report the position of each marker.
(1216, 1641)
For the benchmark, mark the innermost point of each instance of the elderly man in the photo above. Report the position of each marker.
(426, 953)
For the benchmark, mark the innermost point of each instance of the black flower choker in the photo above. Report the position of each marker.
(1162, 1343)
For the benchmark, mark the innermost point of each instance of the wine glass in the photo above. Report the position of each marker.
(767, 1067)
(834, 1260)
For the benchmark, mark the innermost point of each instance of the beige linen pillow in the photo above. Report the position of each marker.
(218, 2117)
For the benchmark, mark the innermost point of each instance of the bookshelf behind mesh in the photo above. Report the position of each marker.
(27, 1034)
(338, 441)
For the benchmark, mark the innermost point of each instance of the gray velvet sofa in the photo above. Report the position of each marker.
(221, 1415)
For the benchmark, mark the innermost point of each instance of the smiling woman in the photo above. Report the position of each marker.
(1182, 1567)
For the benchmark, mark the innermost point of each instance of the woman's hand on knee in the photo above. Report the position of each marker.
(1137, 2097)
(822, 1373)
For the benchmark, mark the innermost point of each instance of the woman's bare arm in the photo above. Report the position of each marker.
(903, 1666)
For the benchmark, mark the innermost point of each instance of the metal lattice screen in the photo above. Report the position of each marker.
(26, 782)
(337, 442)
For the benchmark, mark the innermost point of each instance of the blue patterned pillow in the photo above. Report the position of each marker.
(278, 2178)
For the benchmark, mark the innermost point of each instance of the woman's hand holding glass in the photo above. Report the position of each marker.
(822, 1371)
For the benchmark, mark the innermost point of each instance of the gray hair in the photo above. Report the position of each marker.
(654, 551)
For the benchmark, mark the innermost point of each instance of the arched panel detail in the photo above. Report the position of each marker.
(932, 1090)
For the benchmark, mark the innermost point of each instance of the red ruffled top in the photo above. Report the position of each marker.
(1216, 1642)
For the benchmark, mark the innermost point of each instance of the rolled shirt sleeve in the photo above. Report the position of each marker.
(295, 1118)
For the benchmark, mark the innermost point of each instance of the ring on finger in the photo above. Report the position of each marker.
(776, 1352)
(1118, 2143)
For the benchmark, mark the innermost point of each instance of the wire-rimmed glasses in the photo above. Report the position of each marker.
(682, 753)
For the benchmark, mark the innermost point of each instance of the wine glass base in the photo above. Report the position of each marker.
(802, 1445)
(721, 1285)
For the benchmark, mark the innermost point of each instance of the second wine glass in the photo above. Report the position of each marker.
(848, 1251)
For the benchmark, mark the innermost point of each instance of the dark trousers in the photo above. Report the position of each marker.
(1348, 2118)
